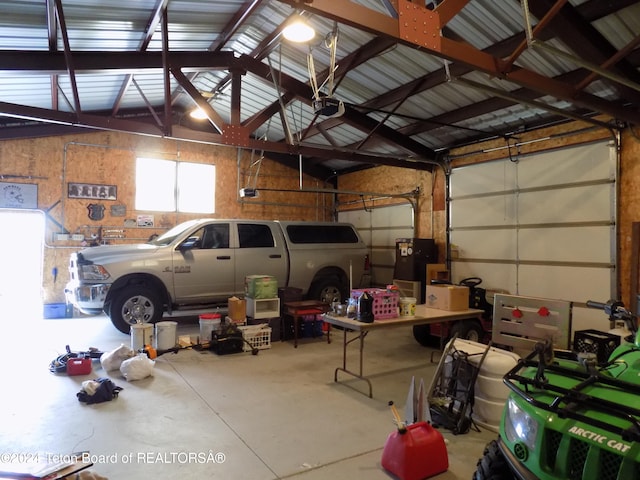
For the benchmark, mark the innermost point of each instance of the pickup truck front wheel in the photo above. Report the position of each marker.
(135, 305)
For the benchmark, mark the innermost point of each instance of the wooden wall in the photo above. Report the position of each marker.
(629, 212)
(109, 159)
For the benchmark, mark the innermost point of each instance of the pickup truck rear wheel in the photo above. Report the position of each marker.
(328, 290)
(137, 304)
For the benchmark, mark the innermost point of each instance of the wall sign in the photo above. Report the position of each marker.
(145, 221)
(89, 190)
(96, 211)
(118, 210)
(18, 195)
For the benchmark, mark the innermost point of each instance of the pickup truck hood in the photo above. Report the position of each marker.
(110, 253)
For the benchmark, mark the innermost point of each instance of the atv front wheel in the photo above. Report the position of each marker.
(493, 465)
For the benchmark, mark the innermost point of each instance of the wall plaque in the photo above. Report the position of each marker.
(18, 195)
(90, 190)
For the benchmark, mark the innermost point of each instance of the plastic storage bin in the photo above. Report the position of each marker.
(209, 322)
(57, 310)
(385, 303)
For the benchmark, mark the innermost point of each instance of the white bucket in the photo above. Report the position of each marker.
(141, 335)
(407, 306)
(166, 336)
(208, 323)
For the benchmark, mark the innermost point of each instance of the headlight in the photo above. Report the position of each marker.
(519, 426)
(93, 272)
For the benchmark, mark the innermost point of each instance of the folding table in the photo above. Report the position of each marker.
(423, 315)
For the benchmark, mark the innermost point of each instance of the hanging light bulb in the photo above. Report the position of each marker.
(298, 31)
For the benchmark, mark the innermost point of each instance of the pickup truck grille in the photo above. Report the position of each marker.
(73, 267)
(582, 460)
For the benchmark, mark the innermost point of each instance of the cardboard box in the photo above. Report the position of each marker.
(260, 286)
(447, 297)
(237, 309)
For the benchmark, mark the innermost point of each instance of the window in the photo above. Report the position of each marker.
(321, 234)
(252, 235)
(169, 186)
(213, 236)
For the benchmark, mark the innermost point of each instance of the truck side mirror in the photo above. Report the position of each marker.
(189, 243)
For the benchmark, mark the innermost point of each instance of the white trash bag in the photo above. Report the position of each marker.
(113, 359)
(137, 368)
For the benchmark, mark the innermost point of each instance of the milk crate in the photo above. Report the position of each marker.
(258, 336)
(594, 341)
(385, 303)
(312, 326)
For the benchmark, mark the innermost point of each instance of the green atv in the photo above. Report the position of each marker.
(569, 417)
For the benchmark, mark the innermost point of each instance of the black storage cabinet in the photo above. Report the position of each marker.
(412, 257)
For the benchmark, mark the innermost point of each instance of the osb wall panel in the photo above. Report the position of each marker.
(629, 212)
(524, 143)
(108, 158)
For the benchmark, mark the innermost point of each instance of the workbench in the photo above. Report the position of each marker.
(423, 315)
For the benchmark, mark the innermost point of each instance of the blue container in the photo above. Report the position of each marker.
(57, 310)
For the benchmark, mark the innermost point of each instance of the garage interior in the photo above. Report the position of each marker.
(507, 133)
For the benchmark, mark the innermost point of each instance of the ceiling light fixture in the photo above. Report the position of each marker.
(198, 114)
(298, 31)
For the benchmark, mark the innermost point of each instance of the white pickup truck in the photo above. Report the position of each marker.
(204, 262)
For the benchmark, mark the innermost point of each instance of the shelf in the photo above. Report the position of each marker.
(408, 288)
(263, 307)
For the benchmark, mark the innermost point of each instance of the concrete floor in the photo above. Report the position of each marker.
(275, 415)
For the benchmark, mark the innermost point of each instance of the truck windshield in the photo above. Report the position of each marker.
(169, 236)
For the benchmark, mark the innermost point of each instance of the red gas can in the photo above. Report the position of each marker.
(416, 454)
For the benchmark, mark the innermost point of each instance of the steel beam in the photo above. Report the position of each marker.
(424, 32)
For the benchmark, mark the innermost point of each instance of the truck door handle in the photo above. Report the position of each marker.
(223, 257)
(275, 255)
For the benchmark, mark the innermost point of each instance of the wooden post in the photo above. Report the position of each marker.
(634, 267)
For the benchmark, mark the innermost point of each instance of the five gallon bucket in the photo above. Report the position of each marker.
(141, 335)
(407, 306)
(166, 336)
(208, 323)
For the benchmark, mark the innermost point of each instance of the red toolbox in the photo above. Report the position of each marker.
(79, 366)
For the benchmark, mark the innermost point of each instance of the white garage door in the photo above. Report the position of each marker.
(543, 226)
(379, 228)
